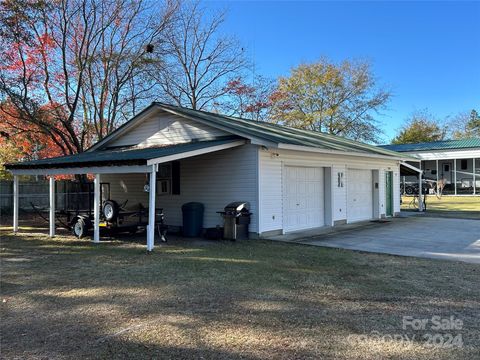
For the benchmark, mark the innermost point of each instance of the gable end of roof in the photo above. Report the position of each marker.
(258, 132)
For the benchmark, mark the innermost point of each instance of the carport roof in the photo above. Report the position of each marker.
(120, 156)
(408, 170)
(435, 145)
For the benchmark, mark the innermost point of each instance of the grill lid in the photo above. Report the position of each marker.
(238, 206)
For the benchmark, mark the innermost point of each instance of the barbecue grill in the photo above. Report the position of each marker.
(236, 216)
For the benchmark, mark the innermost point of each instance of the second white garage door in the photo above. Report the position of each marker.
(359, 195)
(303, 200)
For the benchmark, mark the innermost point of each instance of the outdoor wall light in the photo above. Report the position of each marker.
(340, 180)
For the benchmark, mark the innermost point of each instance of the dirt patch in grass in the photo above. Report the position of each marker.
(64, 298)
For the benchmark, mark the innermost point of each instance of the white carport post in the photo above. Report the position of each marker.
(15, 204)
(455, 174)
(96, 209)
(420, 192)
(474, 177)
(151, 208)
(420, 172)
(52, 206)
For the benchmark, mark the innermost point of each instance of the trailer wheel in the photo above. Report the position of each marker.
(409, 190)
(110, 210)
(79, 228)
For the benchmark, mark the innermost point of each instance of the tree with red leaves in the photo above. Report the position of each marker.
(248, 101)
(23, 141)
(73, 70)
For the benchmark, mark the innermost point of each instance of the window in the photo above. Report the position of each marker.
(163, 187)
(164, 177)
(434, 172)
(168, 179)
(446, 167)
(164, 171)
(463, 164)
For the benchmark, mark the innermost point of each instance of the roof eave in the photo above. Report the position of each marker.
(399, 157)
(118, 169)
(19, 166)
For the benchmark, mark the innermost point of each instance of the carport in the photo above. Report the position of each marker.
(410, 170)
(113, 161)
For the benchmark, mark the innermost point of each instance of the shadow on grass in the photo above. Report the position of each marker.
(250, 299)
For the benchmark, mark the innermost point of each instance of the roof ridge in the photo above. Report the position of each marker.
(325, 139)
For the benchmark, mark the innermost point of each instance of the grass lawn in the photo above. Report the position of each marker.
(65, 298)
(447, 203)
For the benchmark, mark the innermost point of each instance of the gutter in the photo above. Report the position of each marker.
(347, 153)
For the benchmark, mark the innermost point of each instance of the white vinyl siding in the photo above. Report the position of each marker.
(272, 161)
(125, 187)
(231, 175)
(166, 129)
(214, 179)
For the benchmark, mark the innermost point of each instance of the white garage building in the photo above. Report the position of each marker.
(293, 179)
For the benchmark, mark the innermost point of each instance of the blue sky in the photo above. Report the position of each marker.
(427, 53)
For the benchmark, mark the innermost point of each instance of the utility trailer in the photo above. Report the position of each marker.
(114, 218)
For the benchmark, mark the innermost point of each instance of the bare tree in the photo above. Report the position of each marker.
(465, 125)
(118, 82)
(200, 60)
(75, 68)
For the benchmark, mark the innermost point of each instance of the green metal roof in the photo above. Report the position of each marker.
(277, 133)
(101, 155)
(119, 156)
(435, 145)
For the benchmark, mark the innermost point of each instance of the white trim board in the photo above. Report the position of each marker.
(164, 159)
(344, 153)
(450, 154)
(83, 170)
(124, 169)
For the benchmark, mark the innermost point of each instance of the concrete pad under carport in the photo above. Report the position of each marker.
(439, 238)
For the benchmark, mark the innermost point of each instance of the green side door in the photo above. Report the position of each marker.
(389, 192)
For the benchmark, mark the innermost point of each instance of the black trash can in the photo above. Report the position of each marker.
(192, 219)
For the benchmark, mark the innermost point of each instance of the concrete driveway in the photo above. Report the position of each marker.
(439, 238)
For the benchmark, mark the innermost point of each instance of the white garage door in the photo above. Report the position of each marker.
(359, 195)
(303, 200)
